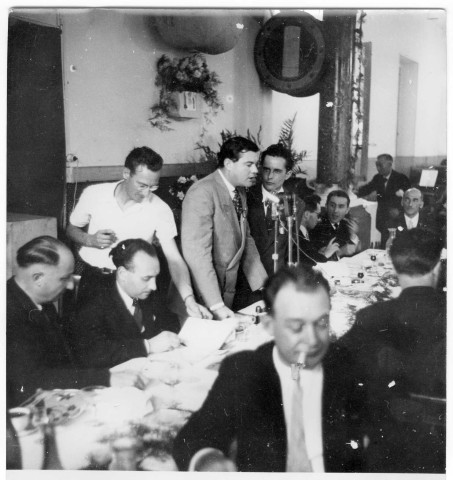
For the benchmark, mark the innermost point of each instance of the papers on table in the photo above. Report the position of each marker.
(206, 335)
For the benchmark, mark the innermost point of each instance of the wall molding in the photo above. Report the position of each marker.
(76, 174)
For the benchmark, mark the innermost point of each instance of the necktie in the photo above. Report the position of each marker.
(269, 222)
(335, 226)
(138, 314)
(297, 459)
(237, 202)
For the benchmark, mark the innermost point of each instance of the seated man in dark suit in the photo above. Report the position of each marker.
(309, 255)
(335, 226)
(37, 353)
(413, 215)
(126, 318)
(276, 164)
(398, 349)
(287, 406)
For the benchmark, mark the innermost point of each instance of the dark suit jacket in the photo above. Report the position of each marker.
(245, 403)
(386, 197)
(215, 243)
(321, 235)
(425, 222)
(37, 353)
(398, 349)
(104, 332)
(309, 254)
(263, 234)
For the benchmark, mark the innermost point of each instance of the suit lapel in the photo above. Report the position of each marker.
(128, 323)
(227, 207)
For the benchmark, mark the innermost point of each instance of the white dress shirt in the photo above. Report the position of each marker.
(311, 381)
(231, 188)
(128, 301)
(411, 222)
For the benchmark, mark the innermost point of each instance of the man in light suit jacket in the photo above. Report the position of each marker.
(215, 234)
(247, 423)
(389, 186)
(125, 318)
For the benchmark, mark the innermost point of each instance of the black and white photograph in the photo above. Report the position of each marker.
(226, 239)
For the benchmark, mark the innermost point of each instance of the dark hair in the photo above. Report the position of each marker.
(123, 254)
(415, 252)
(385, 156)
(233, 147)
(143, 156)
(42, 249)
(338, 193)
(304, 278)
(311, 203)
(278, 150)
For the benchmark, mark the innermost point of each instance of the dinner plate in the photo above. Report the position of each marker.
(64, 405)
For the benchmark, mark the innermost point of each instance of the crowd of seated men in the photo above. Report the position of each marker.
(298, 403)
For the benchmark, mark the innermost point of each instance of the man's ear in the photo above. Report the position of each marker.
(37, 277)
(126, 173)
(227, 163)
(288, 174)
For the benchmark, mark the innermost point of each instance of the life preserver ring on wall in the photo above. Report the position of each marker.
(290, 52)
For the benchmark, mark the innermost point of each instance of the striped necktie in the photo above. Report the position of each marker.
(138, 314)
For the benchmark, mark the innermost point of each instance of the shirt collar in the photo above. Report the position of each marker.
(414, 219)
(231, 188)
(267, 195)
(125, 297)
(284, 371)
(304, 230)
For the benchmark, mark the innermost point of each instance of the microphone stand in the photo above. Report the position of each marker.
(289, 219)
(296, 223)
(275, 218)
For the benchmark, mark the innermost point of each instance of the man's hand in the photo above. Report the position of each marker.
(215, 461)
(223, 312)
(163, 342)
(194, 309)
(331, 248)
(127, 379)
(102, 239)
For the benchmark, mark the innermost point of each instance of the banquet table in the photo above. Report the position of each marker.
(91, 425)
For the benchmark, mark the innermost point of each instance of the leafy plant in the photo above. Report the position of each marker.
(189, 74)
(286, 138)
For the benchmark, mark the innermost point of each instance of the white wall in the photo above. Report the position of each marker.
(420, 36)
(114, 52)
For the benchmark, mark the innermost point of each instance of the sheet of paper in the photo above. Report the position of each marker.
(206, 335)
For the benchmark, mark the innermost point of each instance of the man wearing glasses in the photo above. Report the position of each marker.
(128, 209)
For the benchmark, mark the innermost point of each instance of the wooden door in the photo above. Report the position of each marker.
(35, 129)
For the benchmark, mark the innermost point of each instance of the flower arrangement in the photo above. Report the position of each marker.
(189, 74)
(179, 188)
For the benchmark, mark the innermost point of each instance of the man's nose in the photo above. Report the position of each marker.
(152, 284)
(309, 335)
(254, 168)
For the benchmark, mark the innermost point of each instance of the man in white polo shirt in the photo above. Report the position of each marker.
(288, 406)
(128, 209)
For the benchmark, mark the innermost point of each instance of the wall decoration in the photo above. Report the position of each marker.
(178, 77)
(290, 52)
(214, 33)
(357, 123)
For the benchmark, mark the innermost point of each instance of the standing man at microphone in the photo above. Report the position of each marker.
(215, 234)
(262, 200)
